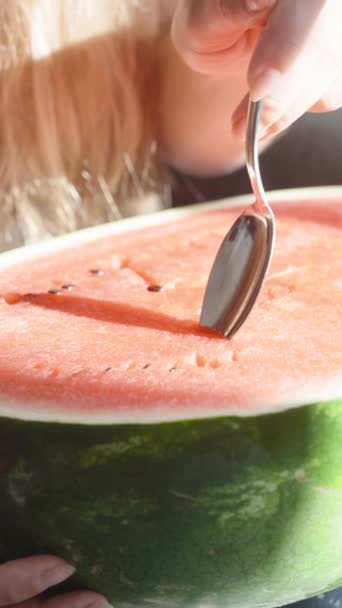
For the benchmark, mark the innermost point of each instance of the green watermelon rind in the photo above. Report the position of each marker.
(214, 512)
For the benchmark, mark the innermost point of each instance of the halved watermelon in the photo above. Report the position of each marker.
(172, 466)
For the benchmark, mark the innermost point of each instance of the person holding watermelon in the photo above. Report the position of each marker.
(287, 52)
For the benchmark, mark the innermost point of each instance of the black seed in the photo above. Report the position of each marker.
(96, 271)
(154, 288)
(68, 287)
(147, 366)
(107, 370)
(29, 295)
(172, 369)
(55, 292)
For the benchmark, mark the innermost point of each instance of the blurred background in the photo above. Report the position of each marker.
(308, 154)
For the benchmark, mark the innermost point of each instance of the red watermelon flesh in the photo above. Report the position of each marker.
(108, 331)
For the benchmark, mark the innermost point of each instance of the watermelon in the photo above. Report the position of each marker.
(172, 466)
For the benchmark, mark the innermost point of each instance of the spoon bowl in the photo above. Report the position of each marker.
(243, 259)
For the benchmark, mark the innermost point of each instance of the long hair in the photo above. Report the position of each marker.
(78, 106)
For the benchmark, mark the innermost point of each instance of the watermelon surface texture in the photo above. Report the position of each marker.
(174, 467)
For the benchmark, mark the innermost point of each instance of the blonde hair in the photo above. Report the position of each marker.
(78, 108)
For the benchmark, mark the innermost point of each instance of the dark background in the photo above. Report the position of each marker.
(308, 154)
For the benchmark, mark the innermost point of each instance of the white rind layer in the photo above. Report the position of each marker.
(324, 392)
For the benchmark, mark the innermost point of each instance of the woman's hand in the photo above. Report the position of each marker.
(23, 581)
(293, 50)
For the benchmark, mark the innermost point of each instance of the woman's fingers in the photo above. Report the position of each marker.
(26, 578)
(312, 80)
(210, 35)
(293, 49)
(276, 118)
(23, 581)
(77, 599)
(288, 31)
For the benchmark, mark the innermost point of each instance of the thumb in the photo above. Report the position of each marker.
(215, 27)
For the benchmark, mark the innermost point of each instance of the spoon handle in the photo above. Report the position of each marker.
(252, 156)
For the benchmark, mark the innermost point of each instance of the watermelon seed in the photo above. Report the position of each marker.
(96, 271)
(39, 365)
(68, 287)
(201, 361)
(12, 298)
(154, 288)
(172, 369)
(147, 365)
(54, 372)
(215, 363)
(108, 369)
(55, 292)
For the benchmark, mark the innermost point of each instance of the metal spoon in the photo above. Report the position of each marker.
(244, 257)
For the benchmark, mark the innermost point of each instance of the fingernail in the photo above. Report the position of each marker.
(56, 575)
(263, 83)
